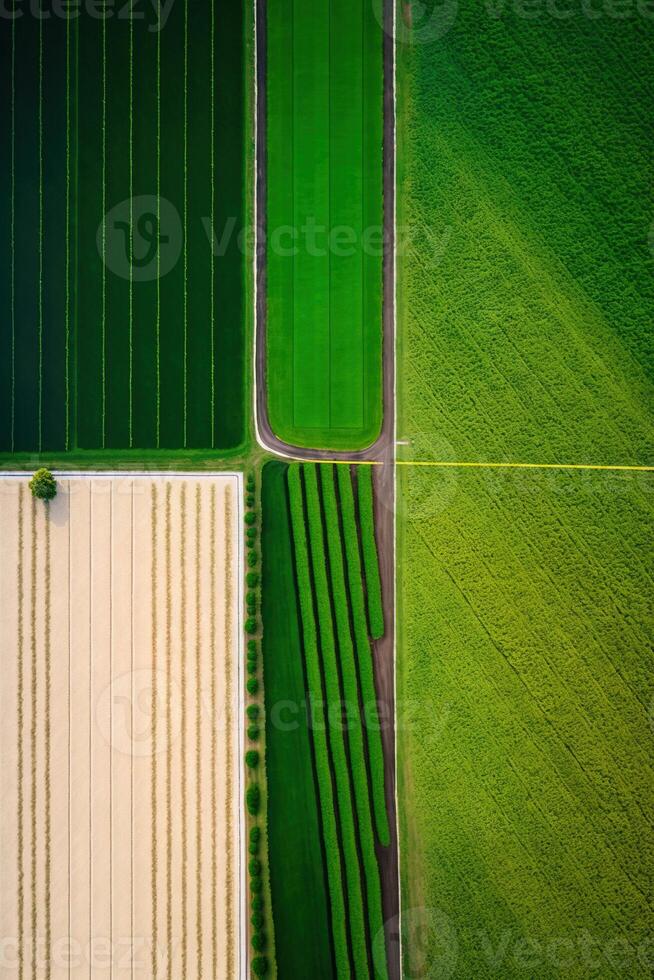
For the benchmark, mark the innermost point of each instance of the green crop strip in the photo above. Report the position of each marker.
(327, 802)
(185, 232)
(131, 226)
(369, 550)
(363, 650)
(40, 314)
(298, 881)
(329, 669)
(324, 136)
(104, 236)
(158, 300)
(67, 234)
(352, 698)
(12, 234)
(212, 212)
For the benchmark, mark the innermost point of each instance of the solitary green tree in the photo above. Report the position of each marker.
(43, 485)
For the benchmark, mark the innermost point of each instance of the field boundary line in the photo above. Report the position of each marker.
(13, 234)
(20, 707)
(168, 805)
(131, 231)
(158, 303)
(213, 755)
(524, 466)
(153, 767)
(183, 558)
(33, 743)
(67, 237)
(104, 232)
(229, 768)
(48, 744)
(198, 729)
(212, 268)
(185, 142)
(41, 215)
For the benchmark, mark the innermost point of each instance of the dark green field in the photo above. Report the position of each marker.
(324, 222)
(114, 118)
(324, 762)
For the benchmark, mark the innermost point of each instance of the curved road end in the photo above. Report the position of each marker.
(382, 451)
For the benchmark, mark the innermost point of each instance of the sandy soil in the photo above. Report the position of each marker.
(120, 782)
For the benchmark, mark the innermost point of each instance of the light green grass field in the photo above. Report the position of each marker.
(525, 301)
(325, 188)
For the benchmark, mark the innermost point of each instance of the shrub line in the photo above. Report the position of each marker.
(365, 517)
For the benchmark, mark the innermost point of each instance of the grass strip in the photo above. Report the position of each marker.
(336, 732)
(364, 654)
(370, 554)
(351, 696)
(327, 803)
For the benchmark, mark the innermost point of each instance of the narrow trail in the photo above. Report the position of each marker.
(381, 451)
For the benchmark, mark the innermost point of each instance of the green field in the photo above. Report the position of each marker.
(97, 353)
(324, 166)
(525, 645)
(323, 761)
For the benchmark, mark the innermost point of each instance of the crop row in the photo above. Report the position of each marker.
(369, 550)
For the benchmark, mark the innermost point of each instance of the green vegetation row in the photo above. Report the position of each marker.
(325, 139)
(298, 880)
(255, 802)
(363, 650)
(369, 549)
(97, 353)
(334, 697)
(351, 698)
(328, 805)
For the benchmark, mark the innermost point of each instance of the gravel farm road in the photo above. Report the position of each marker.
(381, 452)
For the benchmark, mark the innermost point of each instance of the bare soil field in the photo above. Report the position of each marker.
(120, 728)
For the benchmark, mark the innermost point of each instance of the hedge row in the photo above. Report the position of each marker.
(369, 548)
(258, 938)
(351, 696)
(336, 736)
(330, 833)
(364, 652)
